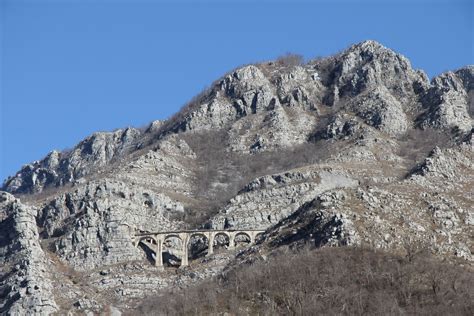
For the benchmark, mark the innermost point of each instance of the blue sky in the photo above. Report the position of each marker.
(69, 68)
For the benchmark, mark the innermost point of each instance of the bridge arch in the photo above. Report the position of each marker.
(150, 247)
(198, 234)
(243, 233)
(196, 248)
(147, 238)
(226, 236)
(174, 249)
(239, 238)
(258, 235)
(172, 235)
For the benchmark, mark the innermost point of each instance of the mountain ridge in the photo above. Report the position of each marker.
(125, 137)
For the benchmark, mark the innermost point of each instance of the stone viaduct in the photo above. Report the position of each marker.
(155, 241)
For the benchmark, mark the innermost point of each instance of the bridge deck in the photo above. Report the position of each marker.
(199, 231)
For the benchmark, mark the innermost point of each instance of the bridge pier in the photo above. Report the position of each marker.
(232, 240)
(184, 238)
(210, 240)
(159, 252)
(252, 236)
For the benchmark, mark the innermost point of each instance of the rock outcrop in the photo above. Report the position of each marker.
(25, 286)
(367, 65)
(61, 168)
(449, 99)
(267, 200)
(94, 225)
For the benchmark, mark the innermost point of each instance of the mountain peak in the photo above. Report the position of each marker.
(369, 47)
(370, 44)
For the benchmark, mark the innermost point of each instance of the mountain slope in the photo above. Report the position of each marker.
(352, 149)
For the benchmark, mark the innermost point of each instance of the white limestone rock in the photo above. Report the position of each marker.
(95, 224)
(449, 99)
(380, 109)
(367, 65)
(58, 169)
(266, 200)
(26, 288)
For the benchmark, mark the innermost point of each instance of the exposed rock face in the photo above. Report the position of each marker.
(267, 200)
(250, 88)
(368, 65)
(312, 221)
(353, 149)
(95, 223)
(58, 169)
(449, 100)
(445, 164)
(380, 109)
(25, 283)
(278, 128)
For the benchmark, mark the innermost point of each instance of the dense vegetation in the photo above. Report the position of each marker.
(329, 281)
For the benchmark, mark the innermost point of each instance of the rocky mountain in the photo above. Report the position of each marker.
(353, 149)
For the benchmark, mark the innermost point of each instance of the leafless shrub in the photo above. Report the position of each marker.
(417, 143)
(414, 248)
(222, 173)
(290, 60)
(327, 281)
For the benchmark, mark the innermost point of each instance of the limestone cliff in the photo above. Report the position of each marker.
(25, 278)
